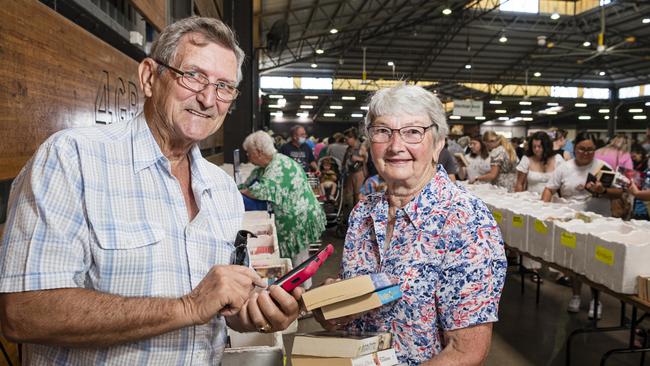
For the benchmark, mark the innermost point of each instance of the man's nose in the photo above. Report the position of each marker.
(207, 97)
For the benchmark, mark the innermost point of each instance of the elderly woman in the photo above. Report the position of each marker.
(299, 218)
(434, 238)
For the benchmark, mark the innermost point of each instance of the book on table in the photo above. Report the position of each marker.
(362, 303)
(345, 289)
(462, 160)
(339, 343)
(382, 358)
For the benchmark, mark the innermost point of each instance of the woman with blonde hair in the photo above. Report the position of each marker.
(616, 153)
(503, 161)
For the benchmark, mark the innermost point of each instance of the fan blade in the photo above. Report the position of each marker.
(625, 55)
(630, 50)
(562, 55)
(589, 58)
(613, 47)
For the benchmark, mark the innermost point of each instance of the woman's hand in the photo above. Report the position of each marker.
(633, 189)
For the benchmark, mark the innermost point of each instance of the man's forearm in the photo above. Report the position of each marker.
(86, 318)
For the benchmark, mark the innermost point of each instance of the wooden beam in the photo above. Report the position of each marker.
(207, 8)
(154, 11)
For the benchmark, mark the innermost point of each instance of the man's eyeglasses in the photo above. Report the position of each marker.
(409, 134)
(197, 83)
(241, 247)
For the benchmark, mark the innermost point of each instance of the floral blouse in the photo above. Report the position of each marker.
(507, 168)
(299, 217)
(448, 256)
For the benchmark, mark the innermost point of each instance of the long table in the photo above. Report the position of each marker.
(626, 299)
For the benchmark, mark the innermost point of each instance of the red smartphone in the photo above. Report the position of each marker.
(305, 270)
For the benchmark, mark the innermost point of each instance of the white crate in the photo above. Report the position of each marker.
(541, 229)
(254, 349)
(570, 244)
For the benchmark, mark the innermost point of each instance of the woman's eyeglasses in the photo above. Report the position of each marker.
(585, 151)
(409, 134)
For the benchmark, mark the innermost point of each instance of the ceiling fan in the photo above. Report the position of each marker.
(586, 55)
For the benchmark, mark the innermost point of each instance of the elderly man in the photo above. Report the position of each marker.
(298, 150)
(119, 241)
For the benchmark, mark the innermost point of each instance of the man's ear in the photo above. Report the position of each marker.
(147, 75)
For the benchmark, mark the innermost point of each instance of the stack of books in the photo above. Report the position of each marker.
(352, 296)
(343, 348)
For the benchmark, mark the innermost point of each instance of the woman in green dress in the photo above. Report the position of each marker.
(299, 217)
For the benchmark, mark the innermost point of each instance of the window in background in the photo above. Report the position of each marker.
(629, 92)
(276, 82)
(521, 6)
(316, 83)
(564, 91)
(595, 93)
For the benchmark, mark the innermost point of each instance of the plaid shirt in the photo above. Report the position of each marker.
(99, 208)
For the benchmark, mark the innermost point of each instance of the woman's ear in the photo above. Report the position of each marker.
(437, 147)
(147, 75)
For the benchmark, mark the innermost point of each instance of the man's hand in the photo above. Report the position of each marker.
(224, 290)
(269, 310)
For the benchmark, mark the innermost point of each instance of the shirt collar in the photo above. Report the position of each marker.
(146, 151)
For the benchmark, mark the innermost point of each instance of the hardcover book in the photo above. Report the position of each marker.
(362, 303)
(340, 343)
(344, 290)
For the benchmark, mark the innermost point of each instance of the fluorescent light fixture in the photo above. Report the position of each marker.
(306, 106)
(364, 107)
(503, 38)
(645, 20)
(446, 11)
(504, 118)
(527, 119)
(647, 103)
(586, 44)
(336, 107)
(635, 110)
(526, 111)
(537, 74)
(274, 106)
(356, 115)
(552, 104)
(320, 51)
(606, 117)
(276, 96)
(329, 114)
(500, 111)
(282, 102)
(602, 73)
(496, 102)
(454, 117)
(639, 117)
(480, 118)
(468, 66)
(334, 30)
(584, 117)
(390, 63)
(555, 16)
(302, 114)
(525, 102)
(314, 65)
(580, 105)
(348, 98)
(277, 114)
(311, 97)
(550, 112)
(603, 110)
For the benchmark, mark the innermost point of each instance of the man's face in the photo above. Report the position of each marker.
(300, 132)
(189, 116)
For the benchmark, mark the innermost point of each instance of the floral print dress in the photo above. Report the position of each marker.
(507, 168)
(448, 256)
(299, 217)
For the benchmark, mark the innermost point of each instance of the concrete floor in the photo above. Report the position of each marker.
(529, 334)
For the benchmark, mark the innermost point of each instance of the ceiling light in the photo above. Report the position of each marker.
(606, 117)
(527, 119)
(356, 115)
(306, 106)
(274, 106)
(276, 96)
(302, 114)
(639, 117)
(602, 73)
(282, 102)
(526, 111)
(586, 44)
(364, 107)
(580, 105)
(584, 117)
(645, 20)
(537, 74)
(348, 98)
(635, 110)
(550, 112)
(479, 118)
(503, 38)
(468, 66)
(552, 104)
(277, 114)
(555, 16)
(311, 97)
(446, 11)
(336, 107)
(314, 65)
(525, 102)
(603, 110)
(495, 102)
(320, 51)
(334, 30)
(329, 115)
(504, 118)
(541, 40)
(390, 63)
(454, 117)
(501, 111)
(647, 103)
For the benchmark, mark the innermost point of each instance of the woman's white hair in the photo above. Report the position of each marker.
(408, 99)
(260, 141)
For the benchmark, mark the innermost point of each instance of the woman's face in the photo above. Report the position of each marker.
(492, 142)
(538, 150)
(475, 147)
(351, 141)
(636, 156)
(585, 152)
(399, 162)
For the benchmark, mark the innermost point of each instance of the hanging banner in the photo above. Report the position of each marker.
(468, 108)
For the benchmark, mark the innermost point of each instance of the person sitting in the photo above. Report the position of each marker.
(436, 239)
(328, 179)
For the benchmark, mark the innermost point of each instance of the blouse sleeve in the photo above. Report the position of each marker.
(498, 157)
(267, 184)
(523, 165)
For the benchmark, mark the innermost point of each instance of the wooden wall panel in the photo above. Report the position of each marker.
(155, 11)
(55, 75)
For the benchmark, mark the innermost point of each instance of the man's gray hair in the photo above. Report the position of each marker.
(214, 30)
(260, 141)
(408, 99)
